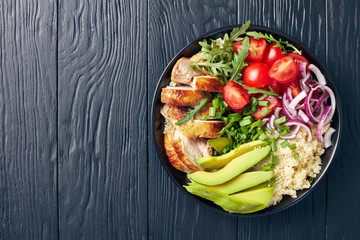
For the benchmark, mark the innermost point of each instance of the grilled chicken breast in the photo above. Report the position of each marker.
(182, 96)
(207, 83)
(183, 151)
(182, 72)
(202, 128)
(177, 113)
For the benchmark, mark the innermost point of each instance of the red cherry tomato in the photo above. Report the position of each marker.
(295, 87)
(272, 54)
(298, 59)
(284, 70)
(256, 75)
(256, 49)
(235, 95)
(274, 103)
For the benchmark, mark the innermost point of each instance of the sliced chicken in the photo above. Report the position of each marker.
(202, 128)
(183, 151)
(177, 113)
(196, 58)
(207, 83)
(182, 72)
(182, 96)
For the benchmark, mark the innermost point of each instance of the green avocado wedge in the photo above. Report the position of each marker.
(270, 183)
(228, 203)
(261, 195)
(216, 162)
(232, 169)
(241, 182)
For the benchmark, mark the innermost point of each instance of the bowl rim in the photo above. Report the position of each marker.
(336, 142)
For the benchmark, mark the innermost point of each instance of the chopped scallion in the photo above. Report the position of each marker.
(218, 115)
(216, 103)
(273, 145)
(292, 146)
(274, 159)
(277, 135)
(245, 122)
(265, 112)
(296, 155)
(280, 120)
(263, 136)
(255, 137)
(267, 130)
(266, 168)
(284, 143)
(212, 111)
(264, 103)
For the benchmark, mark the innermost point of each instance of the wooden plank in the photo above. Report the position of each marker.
(28, 134)
(304, 21)
(343, 57)
(102, 120)
(173, 24)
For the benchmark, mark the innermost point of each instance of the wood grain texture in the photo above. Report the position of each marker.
(343, 60)
(102, 120)
(28, 134)
(172, 25)
(303, 21)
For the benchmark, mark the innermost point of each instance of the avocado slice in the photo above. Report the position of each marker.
(216, 162)
(270, 183)
(225, 201)
(261, 195)
(219, 143)
(232, 169)
(242, 182)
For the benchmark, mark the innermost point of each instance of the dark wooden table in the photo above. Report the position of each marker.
(77, 159)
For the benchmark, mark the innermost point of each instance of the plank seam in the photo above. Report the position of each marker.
(149, 119)
(57, 119)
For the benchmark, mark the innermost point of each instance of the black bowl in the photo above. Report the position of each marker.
(180, 178)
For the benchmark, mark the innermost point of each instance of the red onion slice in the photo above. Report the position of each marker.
(333, 101)
(290, 113)
(297, 99)
(322, 99)
(302, 69)
(264, 121)
(327, 137)
(300, 124)
(271, 122)
(303, 116)
(277, 112)
(322, 123)
(320, 77)
(304, 82)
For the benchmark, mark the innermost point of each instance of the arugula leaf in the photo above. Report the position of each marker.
(279, 43)
(239, 59)
(194, 110)
(257, 90)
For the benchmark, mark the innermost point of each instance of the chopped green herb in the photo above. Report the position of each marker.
(273, 145)
(280, 120)
(264, 103)
(274, 159)
(193, 111)
(218, 115)
(266, 168)
(292, 146)
(263, 136)
(277, 135)
(245, 121)
(205, 118)
(284, 143)
(296, 155)
(310, 179)
(212, 111)
(216, 103)
(265, 112)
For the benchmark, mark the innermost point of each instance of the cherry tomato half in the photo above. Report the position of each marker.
(284, 70)
(235, 95)
(256, 49)
(272, 54)
(256, 75)
(274, 103)
(298, 59)
(295, 87)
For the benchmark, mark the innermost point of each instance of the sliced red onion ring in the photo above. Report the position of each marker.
(277, 112)
(264, 121)
(292, 134)
(289, 94)
(299, 124)
(304, 82)
(303, 116)
(327, 137)
(322, 99)
(309, 110)
(290, 113)
(271, 122)
(322, 123)
(297, 99)
(302, 69)
(320, 77)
